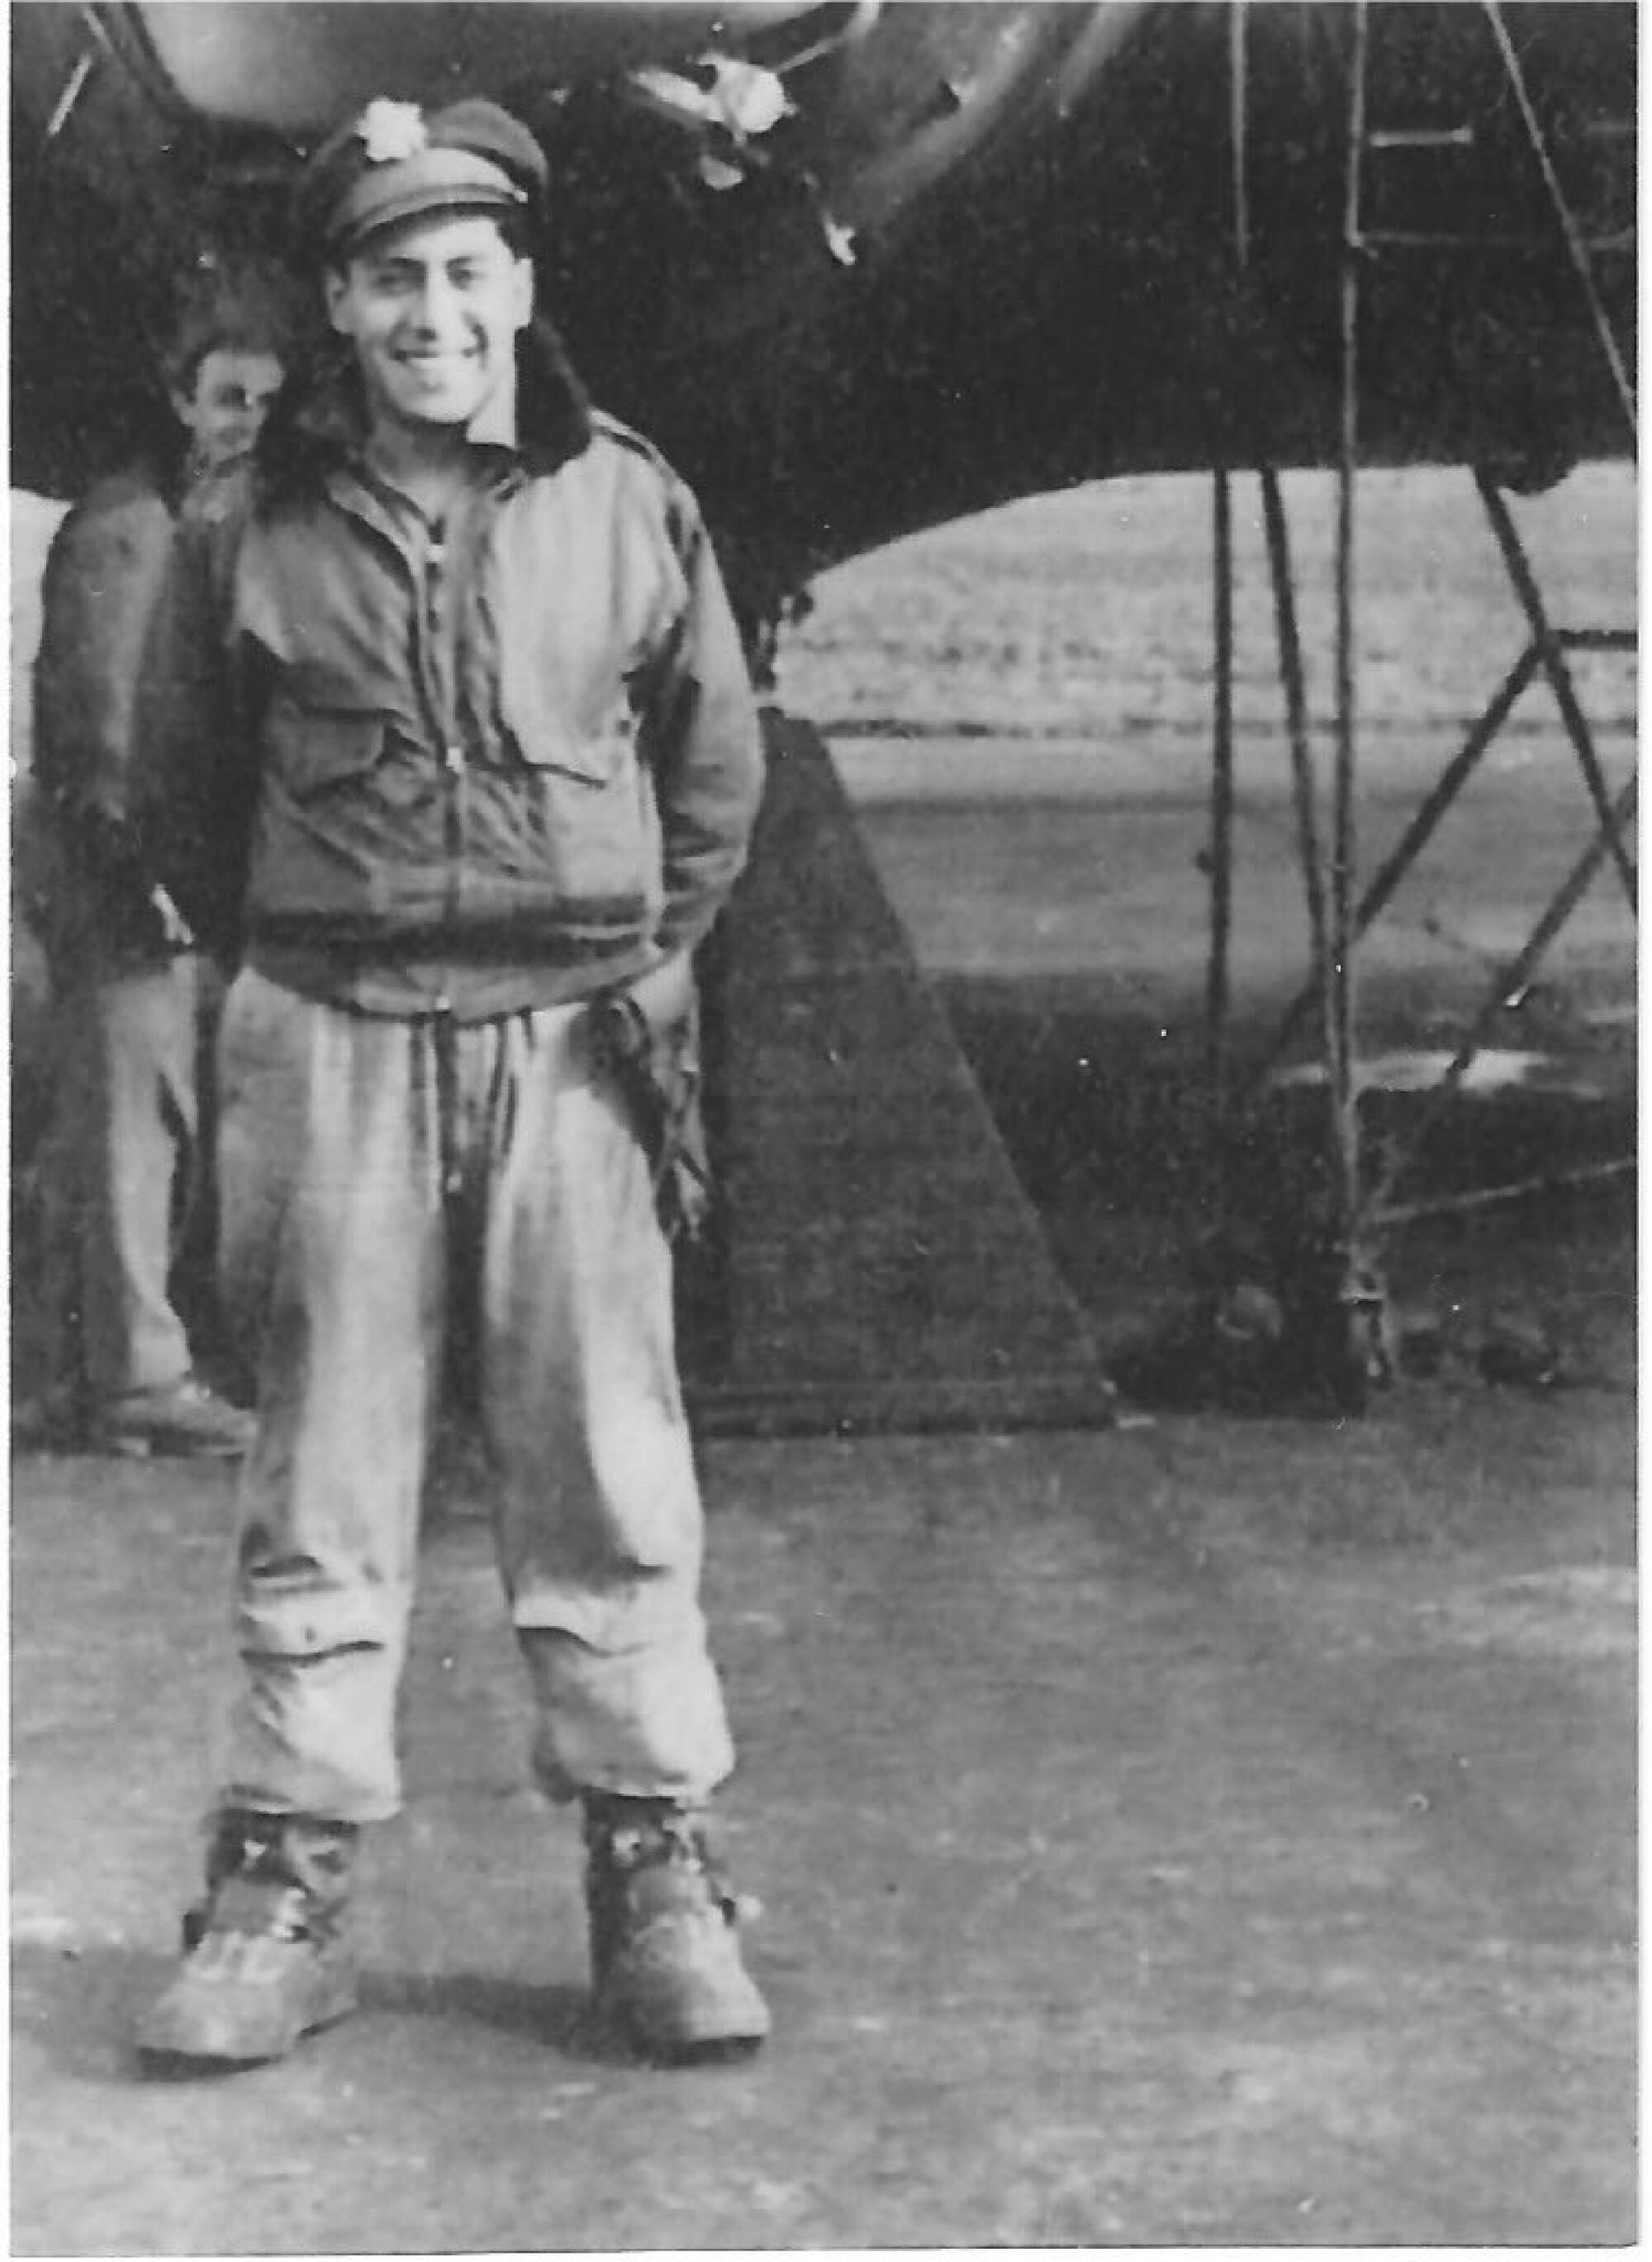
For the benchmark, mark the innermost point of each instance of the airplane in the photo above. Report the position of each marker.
(863, 267)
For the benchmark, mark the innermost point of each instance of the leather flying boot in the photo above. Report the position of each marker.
(265, 1961)
(665, 1960)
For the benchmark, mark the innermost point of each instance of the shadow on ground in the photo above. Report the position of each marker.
(1152, 1206)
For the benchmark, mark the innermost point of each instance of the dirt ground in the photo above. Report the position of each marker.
(1214, 1833)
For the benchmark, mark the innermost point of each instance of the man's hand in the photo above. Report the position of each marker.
(646, 1036)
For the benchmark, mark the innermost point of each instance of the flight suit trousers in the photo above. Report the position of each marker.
(122, 1167)
(382, 1180)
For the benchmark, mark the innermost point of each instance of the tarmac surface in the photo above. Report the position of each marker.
(1205, 1835)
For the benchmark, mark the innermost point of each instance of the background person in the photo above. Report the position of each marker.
(122, 1171)
(497, 771)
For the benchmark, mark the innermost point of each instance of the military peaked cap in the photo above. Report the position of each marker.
(396, 162)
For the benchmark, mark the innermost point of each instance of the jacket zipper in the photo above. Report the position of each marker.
(439, 690)
(454, 762)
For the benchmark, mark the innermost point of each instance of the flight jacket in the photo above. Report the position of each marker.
(470, 769)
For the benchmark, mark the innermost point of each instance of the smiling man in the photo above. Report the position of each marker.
(434, 314)
(494, 763)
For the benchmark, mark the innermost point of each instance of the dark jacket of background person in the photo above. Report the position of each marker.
(103, 576)
(403, 774)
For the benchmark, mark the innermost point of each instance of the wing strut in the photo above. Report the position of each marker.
(1335, 1301)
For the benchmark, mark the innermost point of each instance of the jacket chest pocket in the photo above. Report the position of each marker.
(592, 738)
(310, 748)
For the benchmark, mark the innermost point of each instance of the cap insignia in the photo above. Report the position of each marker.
(391, 130)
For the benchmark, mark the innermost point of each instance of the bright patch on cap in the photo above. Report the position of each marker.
(391, 132)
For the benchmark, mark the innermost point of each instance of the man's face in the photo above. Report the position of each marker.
(433, 309)
(229, 401)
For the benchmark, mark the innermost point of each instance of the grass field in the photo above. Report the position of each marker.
(1088, 615)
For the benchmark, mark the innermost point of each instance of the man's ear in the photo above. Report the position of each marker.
(183, 406)
(523, 294)
(334, 285)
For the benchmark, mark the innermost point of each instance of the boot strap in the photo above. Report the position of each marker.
(261, 1906)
